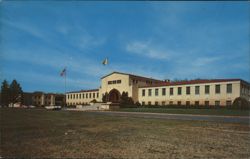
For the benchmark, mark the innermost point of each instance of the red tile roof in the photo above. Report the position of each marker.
(90, 90)
(191, 82)
(134, 76)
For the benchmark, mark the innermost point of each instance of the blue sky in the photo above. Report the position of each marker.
(164, 40)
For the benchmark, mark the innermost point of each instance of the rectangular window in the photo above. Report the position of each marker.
(109, 82)
(156, 92)
(149, 92)
(179, 103)
(229, 88)
(156, 103)
(171, 91)
(163, 103)
(74, 96)
(97, 95)
(86, 95)
(171, 103)
(228, 102)
(71, 96)
(93, 95)
(188, 90)
(217, 103)
(207, 89)
(143, 92)
(119, 81)
(149, 103)
(82, 95)
(114, 82)
(142, 103)
(217, 89)
(89, 95)
(163, 91)
(197, 89)
(187, 102)
(179, 90)
(206, 103)
(196, 103)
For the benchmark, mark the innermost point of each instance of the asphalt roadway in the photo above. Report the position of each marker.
(212, 118)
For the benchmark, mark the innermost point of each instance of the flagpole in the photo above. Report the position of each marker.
(65, 88)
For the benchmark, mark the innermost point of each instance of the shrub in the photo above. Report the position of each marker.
(240, 103)
(105, 98)
(126, 101)
(138, 104)
(93, 101)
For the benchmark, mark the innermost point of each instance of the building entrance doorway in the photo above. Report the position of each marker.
(114, 96)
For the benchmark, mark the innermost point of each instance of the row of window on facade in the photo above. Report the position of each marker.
(77, 103)
(188, 90)
(83, 95)
(245, 89)
(38, 97)
(115, 82)
(206, 103)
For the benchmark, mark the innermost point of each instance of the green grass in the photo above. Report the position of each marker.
(225, 112)
(40, 133)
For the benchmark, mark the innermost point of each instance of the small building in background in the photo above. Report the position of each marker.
(43, 99)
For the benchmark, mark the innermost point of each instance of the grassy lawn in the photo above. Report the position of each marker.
(227, 112)
(40, 133)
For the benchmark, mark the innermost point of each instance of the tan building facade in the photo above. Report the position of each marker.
(197, 92)
(47, 99)
(148, 91)
(82, 97)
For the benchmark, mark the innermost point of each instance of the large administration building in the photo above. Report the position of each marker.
(148, 91)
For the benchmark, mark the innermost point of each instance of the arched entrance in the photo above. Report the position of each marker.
(114, 96)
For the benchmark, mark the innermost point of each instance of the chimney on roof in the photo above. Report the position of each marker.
(167, 80)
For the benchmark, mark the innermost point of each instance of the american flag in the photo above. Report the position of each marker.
(63, 73)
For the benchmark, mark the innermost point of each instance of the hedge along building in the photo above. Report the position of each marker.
(150, 91)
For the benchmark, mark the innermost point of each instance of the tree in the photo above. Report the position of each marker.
(5, 93)
(105, 98)
(93, 101)
(241, 103)
(125, 100)
(15, 92)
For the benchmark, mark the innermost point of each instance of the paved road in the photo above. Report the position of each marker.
(226, 119)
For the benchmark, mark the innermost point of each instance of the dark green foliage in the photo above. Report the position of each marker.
(11, 93)
(240, 103)
(138, 104)
(15, 92)
(93, 101)
(105, 97)
(125, 100)
(5, 93)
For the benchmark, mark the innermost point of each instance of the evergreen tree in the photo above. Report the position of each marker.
(105, 97)
(125, 100)
(15, 92)
(5, 93)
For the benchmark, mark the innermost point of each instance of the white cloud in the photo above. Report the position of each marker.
(79, 37)
(148, 50)
(26, 28)
(204, 61)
